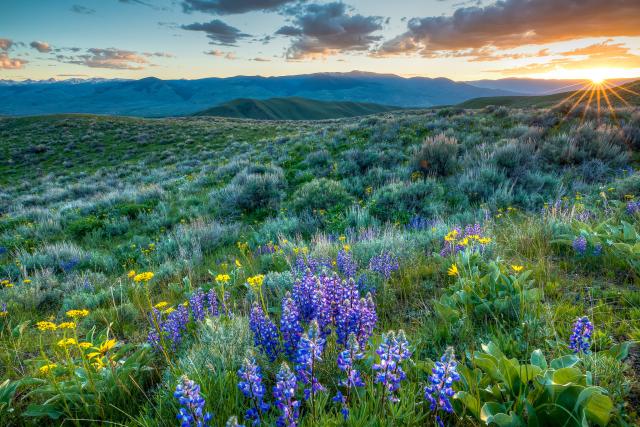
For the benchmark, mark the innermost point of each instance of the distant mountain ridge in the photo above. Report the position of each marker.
(153, 97)
(630, 92)
(293, 108)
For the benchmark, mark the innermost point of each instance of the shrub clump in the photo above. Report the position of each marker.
(437, 156)
(320, 194)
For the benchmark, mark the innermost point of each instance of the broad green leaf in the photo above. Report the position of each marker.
(538, 359)
(565, 376)
(470, 402)
(50, 411)
(564, 361)
(490, 409)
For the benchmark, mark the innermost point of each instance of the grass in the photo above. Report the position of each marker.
(235, 211)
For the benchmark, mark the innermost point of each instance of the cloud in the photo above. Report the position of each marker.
(259, 59)
(218, 32)
(108, 58)
(5, 44)
(76, 8)
(6, 62)
(143, 3)
(599, 55)
(511, 23)
(219, 53)
(229, 7)
(326, 29)
(41, 47)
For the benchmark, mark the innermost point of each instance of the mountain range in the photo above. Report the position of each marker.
(153, 97)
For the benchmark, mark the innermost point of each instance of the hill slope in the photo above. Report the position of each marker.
(152, 97)
(293, 108)
(630, 92)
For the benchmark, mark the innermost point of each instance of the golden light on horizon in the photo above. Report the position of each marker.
(594, 75)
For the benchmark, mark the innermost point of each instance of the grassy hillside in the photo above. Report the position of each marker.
(293, 108)
(137, 255)
(624, 95)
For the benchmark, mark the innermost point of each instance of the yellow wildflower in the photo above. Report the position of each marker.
(46, 326)
(451, 236)
(464, 242)
(74, 314)
(169, 310)
(484, 240)
(143, 277)
(67, 325)
(4, 313)
(65, 342)
(47, 368)
(256, 281)
(238, 264)
(453, 270)
(131, 274)
(517, 268)
(161, 305)
(84, 345)
(342, 239)
(223, 278)
(26, 281)
(346, 248)
(102, 349)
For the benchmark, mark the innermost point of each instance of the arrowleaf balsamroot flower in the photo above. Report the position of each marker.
(46, 326)
(251, 386)
(191, 412)
(580, 340)
(439, 391)
(453, 270)
(75, 314)
(143, 277)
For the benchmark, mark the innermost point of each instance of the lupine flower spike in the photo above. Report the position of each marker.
(393, 350)
(580, 340)
(284, 392)
(191, 404)
(346, 361)
(251, 386)
(439, 391)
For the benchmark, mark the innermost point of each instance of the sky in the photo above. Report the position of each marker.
(457, 39)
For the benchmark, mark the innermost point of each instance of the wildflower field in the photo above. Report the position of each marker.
(430, 267)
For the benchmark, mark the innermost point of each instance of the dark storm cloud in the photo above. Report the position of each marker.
(512, 23)
(326, 29)
(218, 32)
(228, 7)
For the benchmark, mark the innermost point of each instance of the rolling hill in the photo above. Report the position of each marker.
(152, 97)
(293, 108)
(630, 92)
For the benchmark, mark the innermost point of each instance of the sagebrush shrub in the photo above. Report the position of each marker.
(437, 156)
(320, 194)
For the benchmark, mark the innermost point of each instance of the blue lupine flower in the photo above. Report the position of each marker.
(305, 295)
(580, 245)
(580, 340)
(251, 386)
(309, 352)
(284, 392)
(633, 207)
(197, 305)
(393, 350)
(346, 264)
(290, 326)
(597, 249)
(384, 264)
(175, 325)
(346, 361)
(265, 333)
(191, 404)
(356, 316)
(418, 223)
(212, 303)
(439, 390)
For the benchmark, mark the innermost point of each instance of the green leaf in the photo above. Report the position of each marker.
(620, 351)
(489, 410)
(470, 402)
(538, 359)
(565, 361)
(598, 406)
(511, 420)
(50, 411)
(566, 376)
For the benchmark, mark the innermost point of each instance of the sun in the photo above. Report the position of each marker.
(597, 76)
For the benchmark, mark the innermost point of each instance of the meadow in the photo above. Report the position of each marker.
(422, 267)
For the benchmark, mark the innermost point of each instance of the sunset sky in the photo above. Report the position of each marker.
(171, 39)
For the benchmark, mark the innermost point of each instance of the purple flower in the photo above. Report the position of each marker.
(580, 340)
(191, 404)
(290, 326)
(196, 303)
(633, 207)
(284, 393)
(384, 264)
(580, 245)
(251, 386)
(356, 316)
(393, 350)
(175, 325)
(306, 296)
(309, 353)
(597, 249)
(346, 361)
(212, 303)
(346, 264)
(439, 389)
(265, 333)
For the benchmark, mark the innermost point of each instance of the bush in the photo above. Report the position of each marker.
(320, 194)
(437, 156)
(400, 201)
